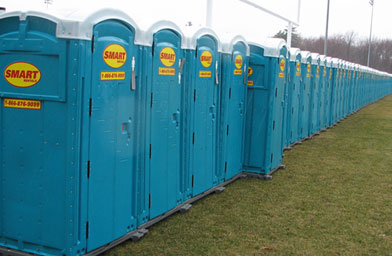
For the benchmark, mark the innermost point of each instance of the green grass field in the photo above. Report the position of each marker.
(333, 198)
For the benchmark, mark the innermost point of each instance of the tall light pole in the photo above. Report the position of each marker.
(326, 33)
(371, 2)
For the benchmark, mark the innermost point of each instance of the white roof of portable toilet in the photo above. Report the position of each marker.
(315, 57)
(335, 62)
(329, 61)
(149, 28)
(322, 60)
(294, 52)
(193, 33)
(305, 55)
(340, 63)
(77, 24)
(229, 40)
(271, 46)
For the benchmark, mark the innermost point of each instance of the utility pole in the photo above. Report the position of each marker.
(371, 2)
(326, 33)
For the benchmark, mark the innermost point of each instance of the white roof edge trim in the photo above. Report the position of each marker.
(328, 61)
(294, 52)
(305, 55)
(147, 36)
(204, 32)
(315, 57)
(272, 47)
(107, 14)
(228, 47)
(335, 62)
(323, 60)
(73, 28)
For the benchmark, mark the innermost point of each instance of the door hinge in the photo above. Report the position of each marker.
(88, 169)
(229, 93)
(193, 181)
(151, 98)
(225, 167)
(87, 229)
(150, 152)
(193, 138)
(149, 201)
(227, 130)
(90, 107)
(194, 95)
(92, 44)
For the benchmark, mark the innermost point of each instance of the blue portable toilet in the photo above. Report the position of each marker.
(343, 73)
(232, 106)
(335, 90)
(347, 84)
(314, 95)
(305, 94)
(339, 79)
(202, 100)
(356, 87)
(352, 87)
(322, 88)
(328, 93)
(69, 161)
(163, 70)
(293, 104)
(286, 96)
(264, 110)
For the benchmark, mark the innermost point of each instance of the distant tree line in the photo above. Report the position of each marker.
(347, 47)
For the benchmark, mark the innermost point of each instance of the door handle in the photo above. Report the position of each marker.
(175, 118)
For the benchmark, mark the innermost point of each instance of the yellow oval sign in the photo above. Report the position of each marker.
(282, 64)
(250, 71)
(206, 59)
(318, 69)
(238, 61)
(168, 56)
(298, 66)
(22, 74)
(114, 55)
(308, 68)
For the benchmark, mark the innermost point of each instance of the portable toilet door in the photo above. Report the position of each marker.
(295, 88)
(305, 103)
(314, 96)
(233, 96)
(42, 208)
(113, 131)
(258, 112)
(203, 97)
(276, 51)
(164, 64)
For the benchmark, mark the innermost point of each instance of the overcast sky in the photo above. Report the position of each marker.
(237, 17)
